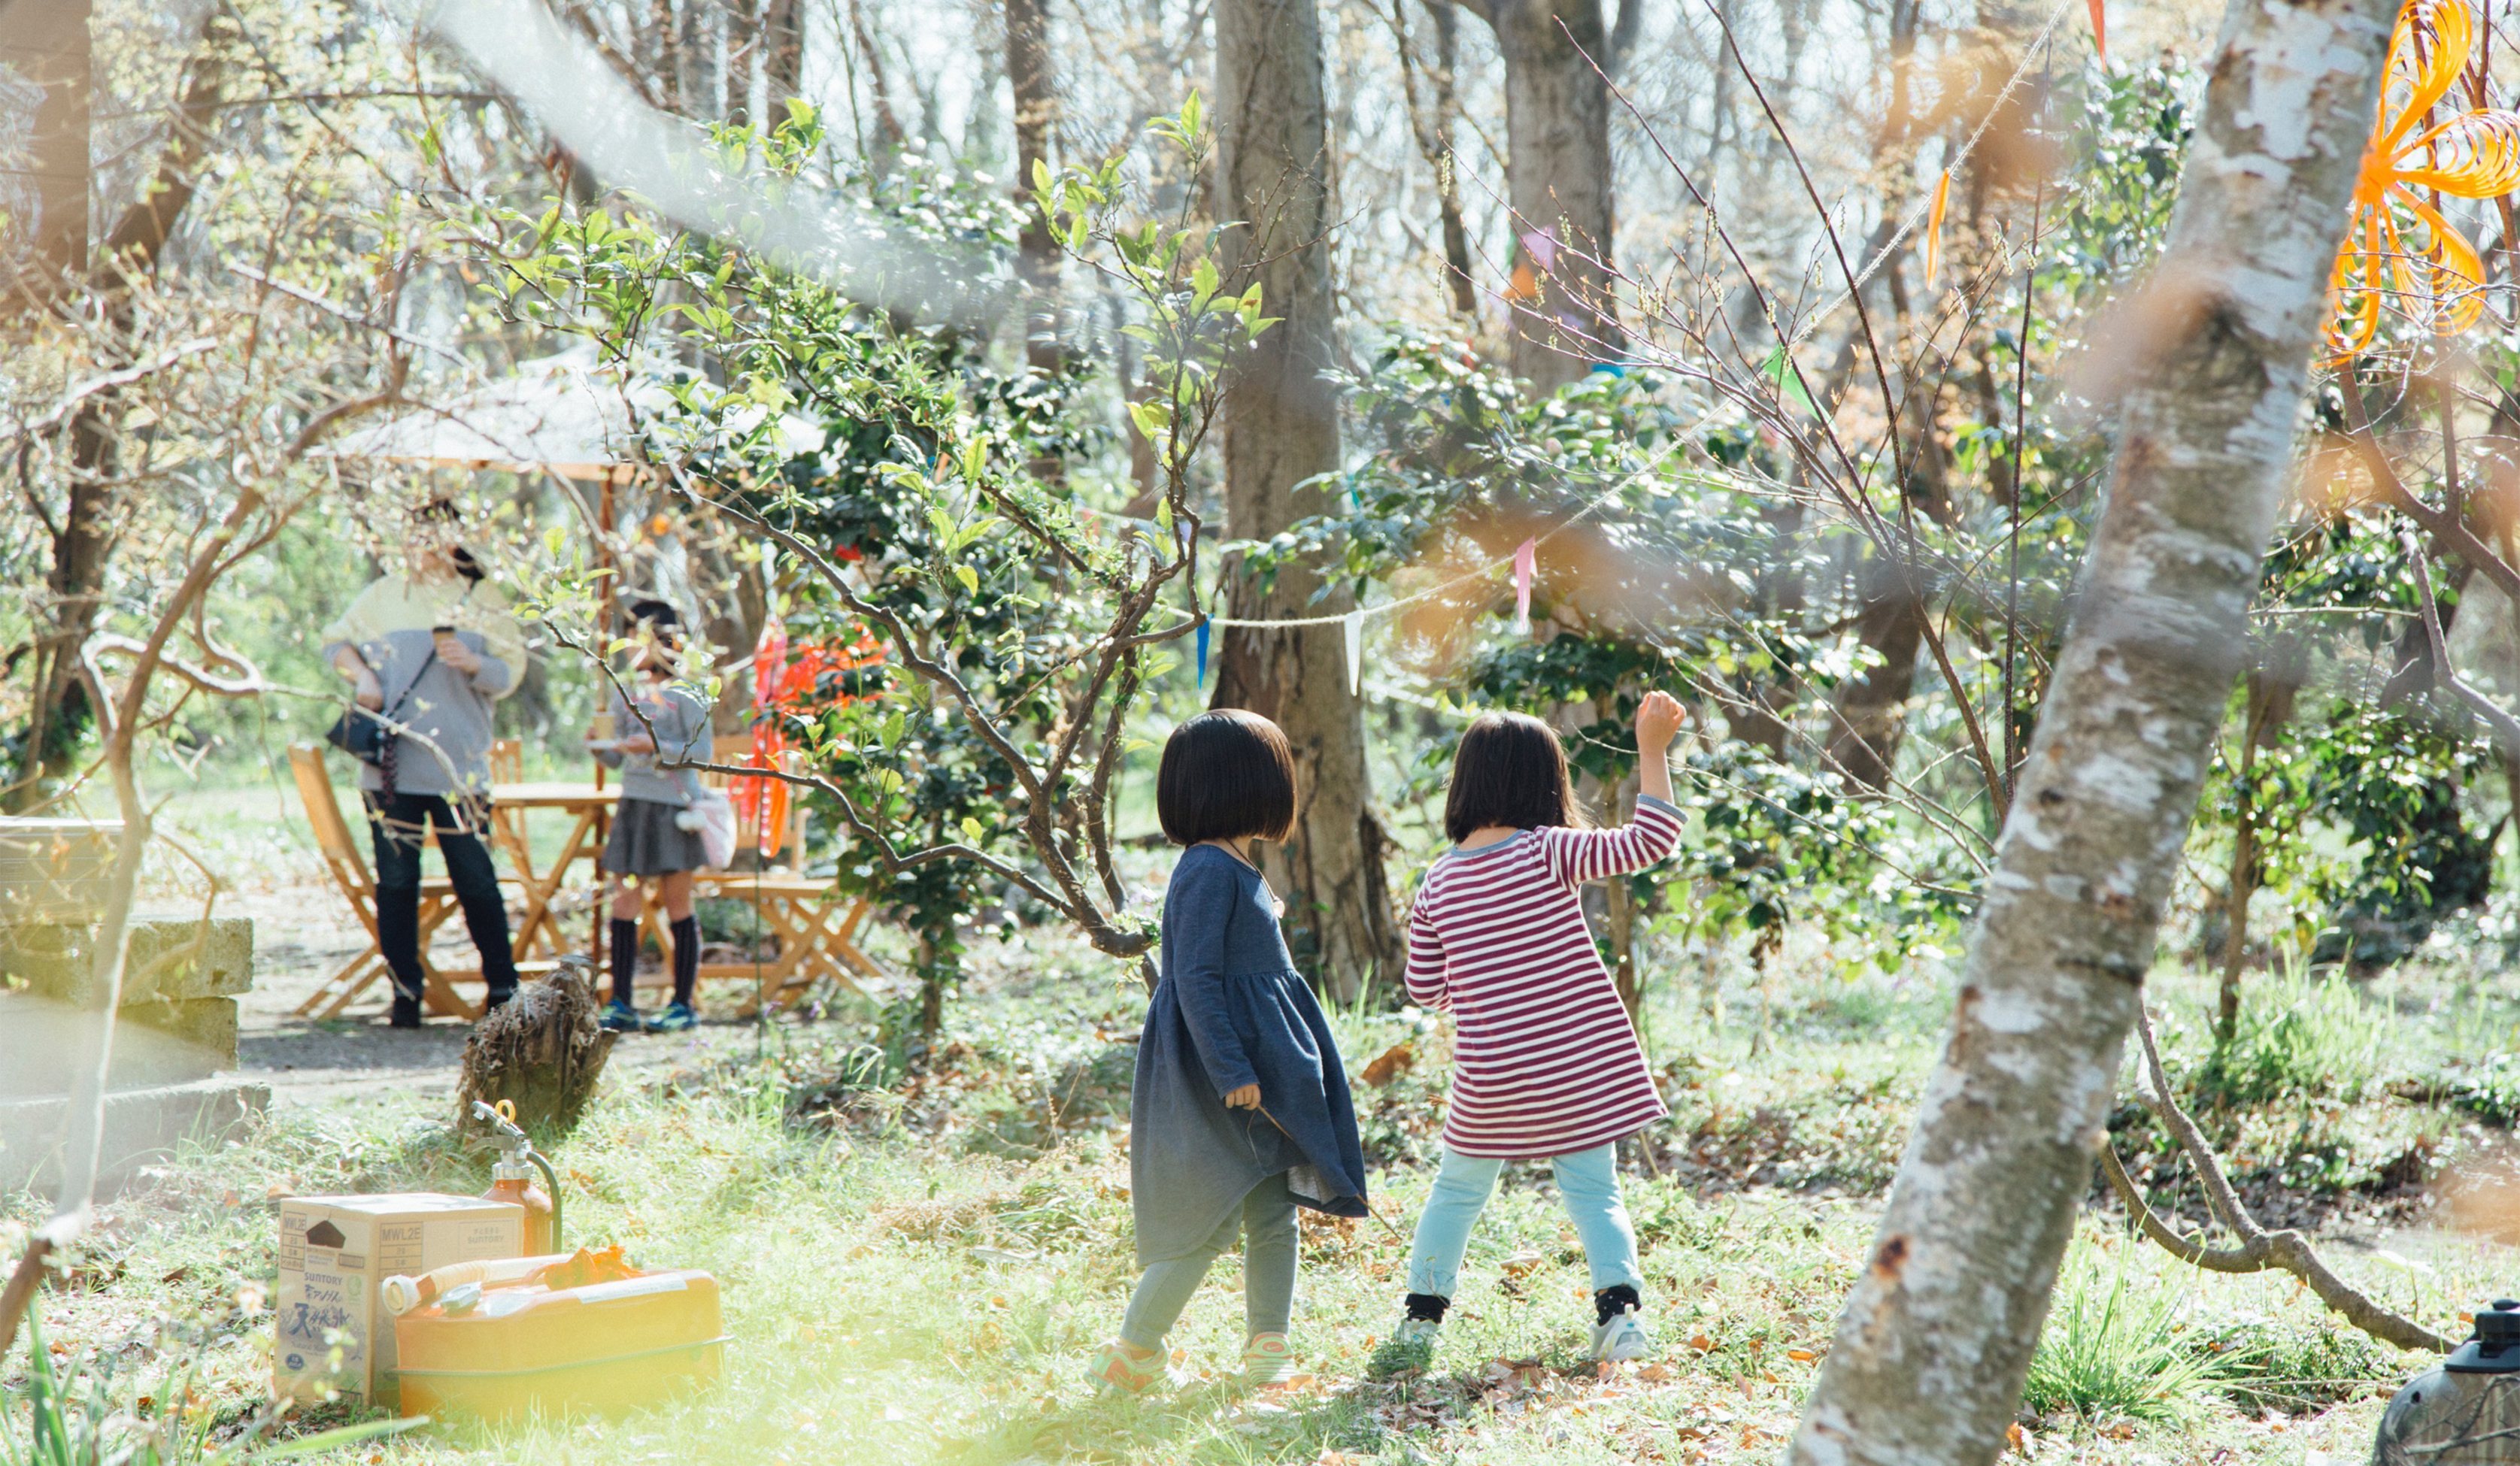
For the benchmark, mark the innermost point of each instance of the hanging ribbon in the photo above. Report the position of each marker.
(769, 662)
(1934, 220)
(764, 801)
(1352, 637)
(1524, 561)
(1202, 638)
(2099, 31)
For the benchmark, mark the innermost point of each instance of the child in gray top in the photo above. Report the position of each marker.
(667, 722)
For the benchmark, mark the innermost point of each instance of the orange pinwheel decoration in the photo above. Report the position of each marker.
(2436, 276)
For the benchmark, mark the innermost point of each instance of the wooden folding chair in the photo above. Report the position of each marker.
(816, 939)
(350, 876)
(507, 761)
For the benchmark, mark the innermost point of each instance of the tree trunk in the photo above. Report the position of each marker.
(697, 73)
(782, 57)
(46, 233)
(2271, 687)
(1867, 714)
(1029, 76)
(1433, 128)
(84, 541)
(1281, 427)
(1558, 162)
(542, 1050)
(1938, 1330)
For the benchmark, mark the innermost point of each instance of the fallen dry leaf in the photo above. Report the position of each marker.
(1393, 1063)
(1801, 1356)
(1702, 1344)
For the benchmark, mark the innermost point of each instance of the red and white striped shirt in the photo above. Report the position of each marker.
(1545, 1061)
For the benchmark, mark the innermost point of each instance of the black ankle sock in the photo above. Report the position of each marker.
(687, 958)
(625, 958)
(1610, 1303)
(1428, 1307)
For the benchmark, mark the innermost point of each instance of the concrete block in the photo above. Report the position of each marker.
(55, 869)
(171, 958)
(43, 1041)
(141, 1126)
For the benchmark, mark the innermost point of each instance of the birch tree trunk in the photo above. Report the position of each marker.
(1280, 429)
(1938, 1331)
(781, 57)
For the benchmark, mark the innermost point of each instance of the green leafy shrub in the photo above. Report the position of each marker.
(2115, 1349)
(2262, 1365)
(2298, 1039)
(78, 1413)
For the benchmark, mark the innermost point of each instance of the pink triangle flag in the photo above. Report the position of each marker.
(1541, 245)
(1525, 559)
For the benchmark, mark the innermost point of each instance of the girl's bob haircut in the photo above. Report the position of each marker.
(1226, 774)
(1509, 771)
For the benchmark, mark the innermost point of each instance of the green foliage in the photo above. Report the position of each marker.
(2127, 149)
(1020, 621)
(2356, 792)
(78, 1412)
(2116, 1349)
(2297, 1038)
(2261, 1364)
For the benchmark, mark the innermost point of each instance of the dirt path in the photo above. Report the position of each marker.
(266, 857)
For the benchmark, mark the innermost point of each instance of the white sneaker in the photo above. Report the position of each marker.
(1622, 1339)
(1410, 1349)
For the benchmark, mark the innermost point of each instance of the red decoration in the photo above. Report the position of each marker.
(787, 681)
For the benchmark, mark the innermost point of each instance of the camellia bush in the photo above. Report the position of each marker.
(910, 489)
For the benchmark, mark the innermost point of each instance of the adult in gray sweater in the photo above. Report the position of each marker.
(435, 644)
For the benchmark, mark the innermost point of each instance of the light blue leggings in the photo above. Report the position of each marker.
(1587, 1182)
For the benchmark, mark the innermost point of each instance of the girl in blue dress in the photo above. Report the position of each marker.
(1241, 1111)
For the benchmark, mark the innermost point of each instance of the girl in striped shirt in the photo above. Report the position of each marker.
(1545, 1061)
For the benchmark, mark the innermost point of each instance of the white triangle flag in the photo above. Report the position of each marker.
(1352, 633)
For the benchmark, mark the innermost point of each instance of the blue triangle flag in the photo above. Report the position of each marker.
(1202, 651)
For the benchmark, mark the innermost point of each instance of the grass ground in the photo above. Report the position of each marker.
(917, 1268)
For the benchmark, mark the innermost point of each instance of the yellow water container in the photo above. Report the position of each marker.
(602, 1348)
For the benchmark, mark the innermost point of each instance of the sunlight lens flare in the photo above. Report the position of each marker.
(630, 144)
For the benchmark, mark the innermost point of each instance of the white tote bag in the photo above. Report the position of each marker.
(710, 815)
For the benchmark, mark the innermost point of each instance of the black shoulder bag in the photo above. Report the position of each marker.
(369, 737)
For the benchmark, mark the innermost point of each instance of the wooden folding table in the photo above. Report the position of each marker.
(539, 928)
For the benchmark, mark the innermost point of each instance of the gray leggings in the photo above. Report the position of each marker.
(1267, 1222)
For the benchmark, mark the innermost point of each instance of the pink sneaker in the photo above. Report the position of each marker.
(1123, 1367)
(1268, 1358)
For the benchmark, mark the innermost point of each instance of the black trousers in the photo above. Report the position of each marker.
(401, 823)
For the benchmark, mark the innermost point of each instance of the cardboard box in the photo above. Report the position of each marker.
(334, 1252)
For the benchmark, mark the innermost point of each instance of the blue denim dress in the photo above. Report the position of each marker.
(1231, 1011)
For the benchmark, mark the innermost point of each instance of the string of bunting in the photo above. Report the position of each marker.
(1525, 560)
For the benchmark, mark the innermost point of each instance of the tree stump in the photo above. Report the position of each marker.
(543, 1050)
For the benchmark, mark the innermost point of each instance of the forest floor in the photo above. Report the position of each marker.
(916, 1265)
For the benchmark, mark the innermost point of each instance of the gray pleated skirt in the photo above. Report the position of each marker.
(646, 842)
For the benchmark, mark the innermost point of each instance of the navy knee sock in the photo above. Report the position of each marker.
(625, 958)
(687, 958)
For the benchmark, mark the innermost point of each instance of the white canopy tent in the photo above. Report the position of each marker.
(566, 415)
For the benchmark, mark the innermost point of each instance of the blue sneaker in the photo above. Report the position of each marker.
(677, 1018)
(619, 1017)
